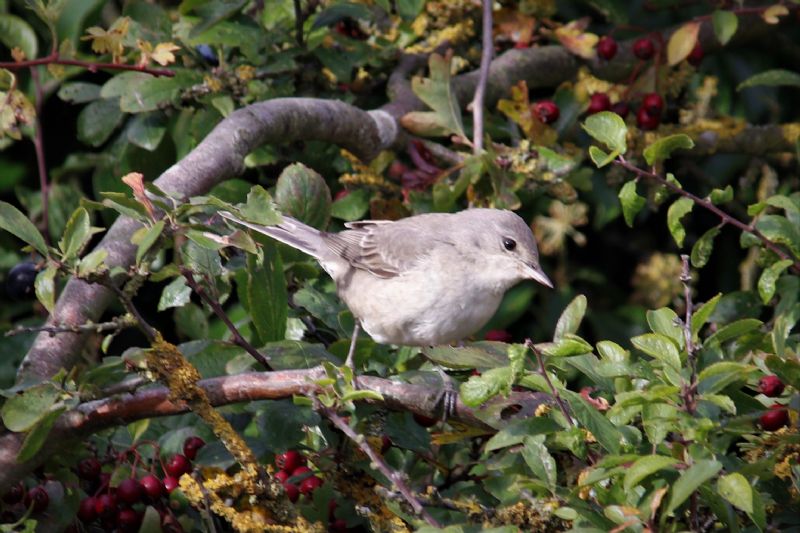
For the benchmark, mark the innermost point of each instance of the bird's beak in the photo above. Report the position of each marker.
(536, 273)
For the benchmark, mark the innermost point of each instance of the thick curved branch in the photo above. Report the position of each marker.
(218, 157)
(96, 415)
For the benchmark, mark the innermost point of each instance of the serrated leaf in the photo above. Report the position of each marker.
(659, 347)
(352, 207)
(607, 435)
(701, 251)
(663, 147)
(681, 42)
(260, 208)
(571, 317)
(437, 93)
(690, 480)
(609, 129)
(45, 287)
(644, 467)
(600, 158)
(13, 221)
(302, 193)
(766, 282)
(680, 208)
(737, 490)
(771, 78)
(725, 24)
(631, 202)
(76, 234)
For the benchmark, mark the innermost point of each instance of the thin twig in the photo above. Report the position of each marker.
(480, 91)
(298, 23)
(115, 324)
(54, 59)
(380, 464)
(690, 390)
(543, 371)
(38, 144)
(215, 306)
(149, 331)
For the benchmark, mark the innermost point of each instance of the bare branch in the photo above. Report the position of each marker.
(483, 75)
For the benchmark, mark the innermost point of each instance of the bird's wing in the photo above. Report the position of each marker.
(384, 248)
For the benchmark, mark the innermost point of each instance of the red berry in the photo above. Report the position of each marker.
(128, 520)
(332, 505)
(397, 169)
(289, 460)
(646, 121)
(607, 47)
(310, 484)
(153, 487)
(653, 103)
(15, 494)
(424, 421)
(105, 505)
(282, 476)
(337, 526)
(86, 510)
(644, 48)
(621, 108)
(130, 491)
(696, 55)
(191, 446)
(300, 471)
(292, 492)
(37, 497)
(170, 483)
(178, 465)
(771, 386)
(598, 102)
(546, 111)
(386, 443)
(89, 469)
(500, 335)
(774, 419)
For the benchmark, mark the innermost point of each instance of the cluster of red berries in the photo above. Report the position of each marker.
(120, 507)
(777, 416)
(293, 467)
(17, 499)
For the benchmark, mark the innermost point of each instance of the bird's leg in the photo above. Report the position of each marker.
(449, 394)
(350, 361)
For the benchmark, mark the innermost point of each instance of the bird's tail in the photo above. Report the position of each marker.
(290, 231)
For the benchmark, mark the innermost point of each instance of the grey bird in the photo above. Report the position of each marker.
(424, 280)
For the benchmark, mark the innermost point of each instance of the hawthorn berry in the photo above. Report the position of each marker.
(300, 471)
(546, 111)
(696, 55)
(130, 491)
(191, 446)
(105, 505)
(500, 335)
(621, 108)
(89, 469)
(607, 47)
(774, 419)
(309, 485)
(386, 443)
(771, 386)
(128, 520)
(38, 498)
(646, 121)
(644, 48)
(178, 465)
(424, 421)
(653, 103)
(87, 510)
(292, 492)
(289, 460)
(15, 494)
(170, 483)
(19, 283)
(282, 476)
(598, 102)
(153, 487)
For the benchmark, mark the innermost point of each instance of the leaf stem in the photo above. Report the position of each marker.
(543, 371)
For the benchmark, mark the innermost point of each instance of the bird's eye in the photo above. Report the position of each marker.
(509, 244)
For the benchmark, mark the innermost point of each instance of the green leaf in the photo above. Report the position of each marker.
(478, 389)
(150, 93)
(600, 158)
(38, 435)
(766, 282)
(772, 78)
(737, 490)
(567, 346)
(22, 411)
(302, 193)
(689, 481)
(176, 294)
(631, 202)
(13, 221)
(149, 238)
(660, 347)
(786, 369)
(76, 234)
(571, 317)
(266, 292)
(98, 120)
(539, 460)
(79, 92)
(666, 322)
(720, 400)
(733, 330)
(781, 230)
(701, 251)
(437, 93)
(609, 129)
(352, 207)
(612, 352)
(702, 315)
(663, 147)
(45, 287)
(480, 355)
(717, 376)
(681, 207)
(785, 203)
(92, 262)
(260, 208)
(643, 467)
(15, 32)
(721, 196)
(604, 431)
(725, 24)
(146, 130)
(518, 430)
